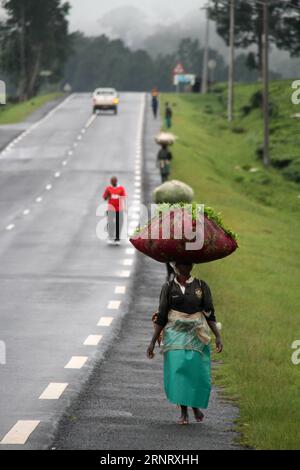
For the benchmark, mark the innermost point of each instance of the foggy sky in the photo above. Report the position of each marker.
(85, 13)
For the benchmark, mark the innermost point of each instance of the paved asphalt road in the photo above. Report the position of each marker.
(60, 286)
(57, 280)
(9, 132)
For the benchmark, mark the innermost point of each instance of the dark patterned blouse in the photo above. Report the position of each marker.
(197, 298)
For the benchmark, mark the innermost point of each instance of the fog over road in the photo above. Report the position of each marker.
(60, 287)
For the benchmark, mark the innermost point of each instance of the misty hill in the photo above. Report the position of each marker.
(138, 31)
(128, 23)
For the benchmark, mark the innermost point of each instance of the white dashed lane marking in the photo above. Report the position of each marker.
(54, 391)
(10, 227)
(114, 305)
(39, 199)
(19, 434)
(90, 121)
(76, 362)
(26, 212)
(92, 340)
(130, 251)
(127, 262)
(105, 321)
(49, 187)
(125, 274)
(120, 290)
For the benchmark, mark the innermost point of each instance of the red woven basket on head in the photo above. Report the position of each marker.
(153, 241)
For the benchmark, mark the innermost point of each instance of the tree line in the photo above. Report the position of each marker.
(35, 42)
(99, 61)
(284, 26)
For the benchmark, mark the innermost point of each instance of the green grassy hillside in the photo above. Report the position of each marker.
(256, 290)
(284, 123)
(14, 113)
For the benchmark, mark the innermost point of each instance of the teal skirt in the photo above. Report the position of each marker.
(187, 377)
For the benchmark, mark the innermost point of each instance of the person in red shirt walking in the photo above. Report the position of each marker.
(116, 197)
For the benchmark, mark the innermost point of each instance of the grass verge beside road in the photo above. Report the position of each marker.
(14, 113)
(256, 291)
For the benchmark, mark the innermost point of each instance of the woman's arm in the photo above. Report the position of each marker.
(157, 330)
(213, 326)
(162, 319)
(209, 311)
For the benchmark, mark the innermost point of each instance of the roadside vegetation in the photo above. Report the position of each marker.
(14, 113)
(256, 291)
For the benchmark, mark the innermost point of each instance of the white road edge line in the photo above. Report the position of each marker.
(127, 262)
(120, 290)
(125, 274)
(93, 340)
(105, 321)
(53, 391)
(19, 433)
(76, 362)
(114, 305)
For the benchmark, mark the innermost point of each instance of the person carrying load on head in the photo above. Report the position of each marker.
(154, 102)
(186, 314)
(164, 158)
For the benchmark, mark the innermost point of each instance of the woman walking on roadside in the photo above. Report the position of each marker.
(186, 314)
(164, 158)
(168, 116)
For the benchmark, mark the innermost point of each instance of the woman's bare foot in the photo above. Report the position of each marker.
(184, 418)
(199, 416)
